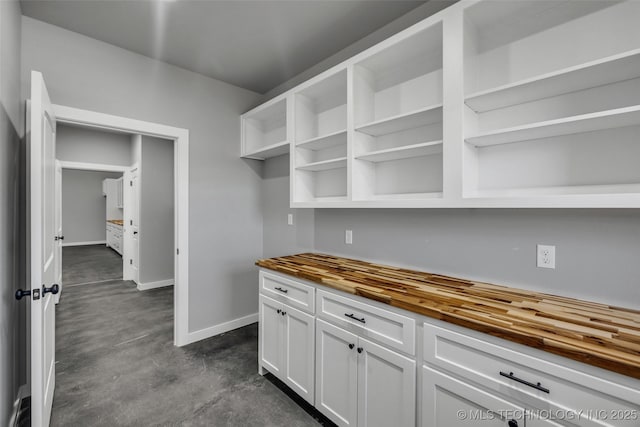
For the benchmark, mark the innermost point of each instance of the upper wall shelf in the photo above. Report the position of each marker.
(522, 104)
(421, 117)
(264, 131)
(600, 72)
(618, 118)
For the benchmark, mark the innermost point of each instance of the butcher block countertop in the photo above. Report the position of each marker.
(589, 332)
(119, 222)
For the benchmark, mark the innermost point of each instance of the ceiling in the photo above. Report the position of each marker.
(253, 44)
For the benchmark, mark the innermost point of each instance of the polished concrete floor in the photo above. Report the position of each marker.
(116, 364)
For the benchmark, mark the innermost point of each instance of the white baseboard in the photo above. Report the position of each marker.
(97, 242)
(212, 331)
(154, 285)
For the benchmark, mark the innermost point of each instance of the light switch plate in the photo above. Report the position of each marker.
(290, 219)
(348, 237)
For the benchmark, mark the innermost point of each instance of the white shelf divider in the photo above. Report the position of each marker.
(273, 150)
(612, 69)
(620, 117)
(404, 152)
(421, 117)
(324, 141)
(340, 162)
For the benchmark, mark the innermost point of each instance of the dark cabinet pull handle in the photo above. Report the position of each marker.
(54, 289)
(284, 313)
(359, 349)
(512, 423)
(351, 316)
(537, 386)
(351, 346)
(278, 310)
(20, 293)
(284, 291)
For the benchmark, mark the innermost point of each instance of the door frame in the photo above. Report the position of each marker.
(180, 136)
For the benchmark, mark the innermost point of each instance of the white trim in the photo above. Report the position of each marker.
(154, 285)
(221, 328)
(100, 167)
(95, 242)
(93, 119)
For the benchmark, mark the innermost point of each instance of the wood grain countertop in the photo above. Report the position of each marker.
(119, 222)
(589, 332)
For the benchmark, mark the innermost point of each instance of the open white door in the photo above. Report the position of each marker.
(131, 224)
(59, 236)
(42, 250)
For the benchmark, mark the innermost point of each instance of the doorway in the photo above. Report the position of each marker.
(180, 138)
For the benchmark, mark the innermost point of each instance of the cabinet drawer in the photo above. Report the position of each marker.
(389, 328)
(294, 293)
(499, 369)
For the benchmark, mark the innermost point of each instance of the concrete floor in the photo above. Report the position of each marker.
(117, 365)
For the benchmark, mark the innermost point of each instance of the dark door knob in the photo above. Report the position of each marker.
(359, 349)
(20, 293)
(513, 423)
(351, 346)
(135, 232)
(54, 289)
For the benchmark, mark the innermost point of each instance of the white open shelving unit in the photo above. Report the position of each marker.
(264, 130)
(485, 104)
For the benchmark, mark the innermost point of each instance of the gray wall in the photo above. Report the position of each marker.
(83, 205)
(76, 144)
(11, 131)
(156, 210)
(279, 237)
(225, 209)
(597, 251)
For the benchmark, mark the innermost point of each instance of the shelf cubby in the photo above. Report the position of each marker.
(621, 117)
(402, 152)
(325, 141)
(400, 86)
(321, 109)
(264, 131)
(600, 72)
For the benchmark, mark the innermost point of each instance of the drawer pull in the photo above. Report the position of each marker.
(351, 316)
(351, 346)
(537, 386)
(284, 291)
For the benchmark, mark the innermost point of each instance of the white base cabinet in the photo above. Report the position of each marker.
(362, 383)
(355, 360)
(286, 345)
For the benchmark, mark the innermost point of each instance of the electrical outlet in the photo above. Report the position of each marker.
(289, 219)
(348, 237)
(546, 256)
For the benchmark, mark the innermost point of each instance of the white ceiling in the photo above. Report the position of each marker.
(249, 43)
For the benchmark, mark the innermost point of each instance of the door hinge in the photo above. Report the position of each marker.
(130, 262)
(177, 251)
(130, 222)
(130, 183)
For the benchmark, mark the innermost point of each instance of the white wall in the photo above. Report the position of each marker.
(84, 145)
(156, 211)
(83, 206)
(12, 346)
(225, 210)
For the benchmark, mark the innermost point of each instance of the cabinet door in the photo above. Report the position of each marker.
(448, 402)
(336, 373)
(271, 335)
(386, 387)
(299, 343)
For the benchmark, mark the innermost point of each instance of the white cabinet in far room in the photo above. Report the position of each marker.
(362, 383)
(287, 344)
